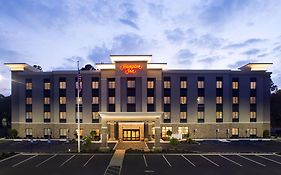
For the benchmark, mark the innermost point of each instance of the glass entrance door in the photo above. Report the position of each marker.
(131, 134)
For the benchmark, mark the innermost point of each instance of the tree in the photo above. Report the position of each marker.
(37, 67)
(87, 144)
(273, 87)
(169, 133)
(93, 134)
(88, 67)
(275, 110)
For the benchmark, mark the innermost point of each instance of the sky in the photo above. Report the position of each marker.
(193, 34)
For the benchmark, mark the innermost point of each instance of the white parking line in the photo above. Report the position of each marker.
(166, 160)
(144, 159)
(88, 160)
(24, 161)
(269, 159)
(9, 158)
(188, 161)
(67, 160)
(251, 160)
(209, 160)
(230, 160)
(49, 158)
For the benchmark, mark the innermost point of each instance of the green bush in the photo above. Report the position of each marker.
(266, 134)
(185, 136)
(12, 133)
(87, 144)
(174, 142)
(169, 133)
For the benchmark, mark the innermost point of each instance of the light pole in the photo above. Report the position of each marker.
(78, 109)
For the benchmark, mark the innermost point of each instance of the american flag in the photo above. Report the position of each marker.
(79, 80)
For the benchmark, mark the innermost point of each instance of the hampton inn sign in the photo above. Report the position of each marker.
(130, 68)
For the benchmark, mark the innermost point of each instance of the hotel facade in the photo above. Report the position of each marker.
(132, 98)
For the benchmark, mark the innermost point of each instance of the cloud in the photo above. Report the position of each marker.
(175, 35)
(185, 56)
(129, 16)
(240, 63)
(129, 23)
(251, 52)
(248, 42)
(99, 54)
(207, 40)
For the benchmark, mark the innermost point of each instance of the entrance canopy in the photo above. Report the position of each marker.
(130, 116)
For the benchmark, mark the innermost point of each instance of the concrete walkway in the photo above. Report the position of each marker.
(115, 165)
(135, 145)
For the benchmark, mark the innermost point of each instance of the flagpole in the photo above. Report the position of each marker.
(78, 109)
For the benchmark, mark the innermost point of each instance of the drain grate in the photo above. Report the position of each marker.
(112, 170)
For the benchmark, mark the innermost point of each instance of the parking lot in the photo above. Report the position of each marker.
(53, 164)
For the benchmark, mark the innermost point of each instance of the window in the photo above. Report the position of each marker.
(46, 100)
(62, 115)
(80, 100)
(253, 131)
(167, 115)
(219, 84)
(62, 100)
(29, 100)
(167, 84)
(95, 115)
(200, 100)
(95, 84)
(200, 84)
(253, 115)
(28, 115)
(235, 115)
(28, 131)
(111, 84)
(81, 131)
(111, 100)
(166, 100)
(183, 84)
(131, 100)
(95, 100)
(131, 83)
(253, 85)
(63, 132)
(150, 84)
(235, 85)
(183, 115)
(183, 130)
(252, 100)
(164, 131)
(150, 100)
(219, 115)
(47, 115)
(219, 100)
(235, 131)
(47, 131)
(28, 86)
(235, 100)
(62, 85)
(80, 115)
(47, 85)
(200, 115)
(80, 86)
(183, 100)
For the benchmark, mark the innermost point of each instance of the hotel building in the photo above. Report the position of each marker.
(132, 98)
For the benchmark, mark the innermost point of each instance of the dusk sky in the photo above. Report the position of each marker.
(218, 34)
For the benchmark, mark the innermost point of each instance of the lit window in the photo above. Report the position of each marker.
(62, 115)
(200, 84)
(131, 83)
(63, 132)
(183, 100)
(219, 100)
(46, 100)
(253, 115)
(47, 115)
(47, 131)
(253, 85)
(150, 84)
(235, 115)
(95, 115)
(81, 85)
(28, 131)
(235, 100)
(252, 100)
(183, 130)
(164, 131)
(219, 115)
(167, 115)
(111, 100)
(200, 115)
(235, 131)
(95, 84)
(95, 100)
(183, 84)
(29, 100)
(253, 131)
(167, 84)
(28, 86)
(219, 84)
(81, 131)
(150, 100)
(131, 100)
(111, 84)
(28, 115)
(183, 115)
(80, 100)
(62, 100)
(47, 85)
(62, 85)
(200, 100)
(235, 85)
(166, 100)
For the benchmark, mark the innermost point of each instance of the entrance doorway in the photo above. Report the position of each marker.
(131, 134)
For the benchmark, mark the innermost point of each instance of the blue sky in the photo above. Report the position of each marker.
(207, 34)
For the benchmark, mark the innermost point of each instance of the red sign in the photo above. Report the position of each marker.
(130, 68)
